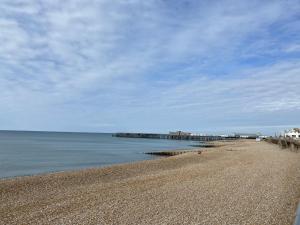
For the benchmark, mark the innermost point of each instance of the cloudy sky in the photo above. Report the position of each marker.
(152, 66)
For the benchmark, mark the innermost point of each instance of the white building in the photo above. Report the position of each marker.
(292, 133)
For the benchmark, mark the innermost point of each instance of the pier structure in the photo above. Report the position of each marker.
(141, 135)
(178, 135)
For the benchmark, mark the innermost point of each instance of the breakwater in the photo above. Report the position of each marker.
(286, 143)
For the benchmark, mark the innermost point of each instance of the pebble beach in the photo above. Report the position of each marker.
(237, 182)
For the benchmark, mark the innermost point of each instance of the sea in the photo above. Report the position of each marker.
(25, 153)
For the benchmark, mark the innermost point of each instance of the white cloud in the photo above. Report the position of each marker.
(265, 89)
(136, 56)
(293, 48)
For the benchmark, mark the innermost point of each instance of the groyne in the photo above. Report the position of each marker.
(170, 153)
(286, 143)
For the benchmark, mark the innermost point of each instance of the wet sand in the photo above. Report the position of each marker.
(240, 182)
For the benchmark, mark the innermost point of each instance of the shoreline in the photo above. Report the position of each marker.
(160, 156)
(157, 154)
(27, 153)
(238, 182)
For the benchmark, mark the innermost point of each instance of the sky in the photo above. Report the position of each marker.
(150, 66)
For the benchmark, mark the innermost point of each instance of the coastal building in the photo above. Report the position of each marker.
(292, 133)
(179, 135)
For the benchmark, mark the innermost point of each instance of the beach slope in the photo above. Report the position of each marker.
(240, 182)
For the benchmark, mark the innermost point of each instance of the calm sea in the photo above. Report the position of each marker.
(27, 153)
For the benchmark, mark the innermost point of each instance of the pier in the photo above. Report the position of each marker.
(141, 135)
(178, 135)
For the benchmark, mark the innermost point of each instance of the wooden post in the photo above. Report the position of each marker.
(293, 147)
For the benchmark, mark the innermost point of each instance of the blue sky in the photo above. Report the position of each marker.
(150, 66)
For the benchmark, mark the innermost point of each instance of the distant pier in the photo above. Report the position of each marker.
(141, 135)
(178, 135)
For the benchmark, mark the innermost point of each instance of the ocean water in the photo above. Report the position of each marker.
(28, 153)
